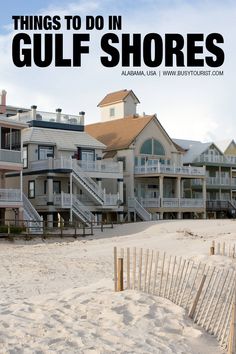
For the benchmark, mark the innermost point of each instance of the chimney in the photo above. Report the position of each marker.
(19, 111)
(81, 117)
(33, 112)
(58, 113)
(3, 95)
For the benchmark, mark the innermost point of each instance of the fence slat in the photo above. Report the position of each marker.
(128, 268)
(150, 273)
(171, 280)
(194, 305)
(140, 269)
(168, 269)
(115, 268)
(162, 272)
(155, 272)
(145, 270)
(134, 267)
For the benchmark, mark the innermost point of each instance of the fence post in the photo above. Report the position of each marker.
(232, 333)
(115, 268)
(120, 284)
(194, 305)
(92, 228)
(8, 228)
(212, 249)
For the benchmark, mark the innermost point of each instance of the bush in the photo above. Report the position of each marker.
(13, 229)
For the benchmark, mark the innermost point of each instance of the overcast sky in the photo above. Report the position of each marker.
(200, 108)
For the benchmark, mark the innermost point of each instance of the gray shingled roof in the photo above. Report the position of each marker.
(194, 149)
(63, 139)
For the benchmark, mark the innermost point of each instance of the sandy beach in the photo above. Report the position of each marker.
(57, 295)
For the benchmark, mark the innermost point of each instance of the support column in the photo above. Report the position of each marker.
(161, 183)
(120, 182)
(99, 181)
(178, 195)
(204, 196)
(50, 200)
(71, 198)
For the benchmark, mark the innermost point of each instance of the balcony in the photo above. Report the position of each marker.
(170, 170)
(182, 203)
(172, 203)
(215, 181)
(217, 159)
(10, 156)
(50, 117)
(100, 166)
(63, 200)
(10, 197)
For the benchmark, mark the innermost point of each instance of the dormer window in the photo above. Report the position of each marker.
(112, 112)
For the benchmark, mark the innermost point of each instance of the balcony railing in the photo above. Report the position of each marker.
(49, 117)
(172, 203)
(215, 181)
(227, 159)
(172, 170)
(10, 195)
(150, 202)
(182, 203)
(63, 163)
(101, 166)
(10, 156)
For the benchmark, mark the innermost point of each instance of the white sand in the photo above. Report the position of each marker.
(57, 296)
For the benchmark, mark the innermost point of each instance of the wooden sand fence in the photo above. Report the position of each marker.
(207, 293)
(223, 249)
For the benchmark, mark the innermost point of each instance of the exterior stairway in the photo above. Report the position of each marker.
(135, 206)
(87, 184)
(32, 219)
(81, 212)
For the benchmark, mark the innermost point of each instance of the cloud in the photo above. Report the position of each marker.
(189, 107)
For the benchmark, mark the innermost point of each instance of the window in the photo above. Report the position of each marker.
(56, 187)
(25, 156)
(87, 155)
(112, 112)
(31, 189)
(152, 147)
(44, 151)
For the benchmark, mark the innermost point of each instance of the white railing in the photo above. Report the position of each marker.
(39, 165)
(182, 203)
(49, 117)
(211, 158)
(82, 210)
(10, 195)
(111, 199)
(231, 159)
(150, 202)
(225, 181)
(31, 211)
(133, 203)
(173, 170)
(100, 166)
(89, 182)
(10, 156)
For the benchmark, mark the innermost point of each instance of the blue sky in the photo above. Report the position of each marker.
(194, 108)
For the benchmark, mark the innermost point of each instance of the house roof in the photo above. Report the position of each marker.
(63, 139)
(194, 148)
(224, 144)
(118, 134)
(115, 97)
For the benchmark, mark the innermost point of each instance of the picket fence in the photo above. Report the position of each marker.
(207, 293)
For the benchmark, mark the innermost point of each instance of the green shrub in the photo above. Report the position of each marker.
(13, 229)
